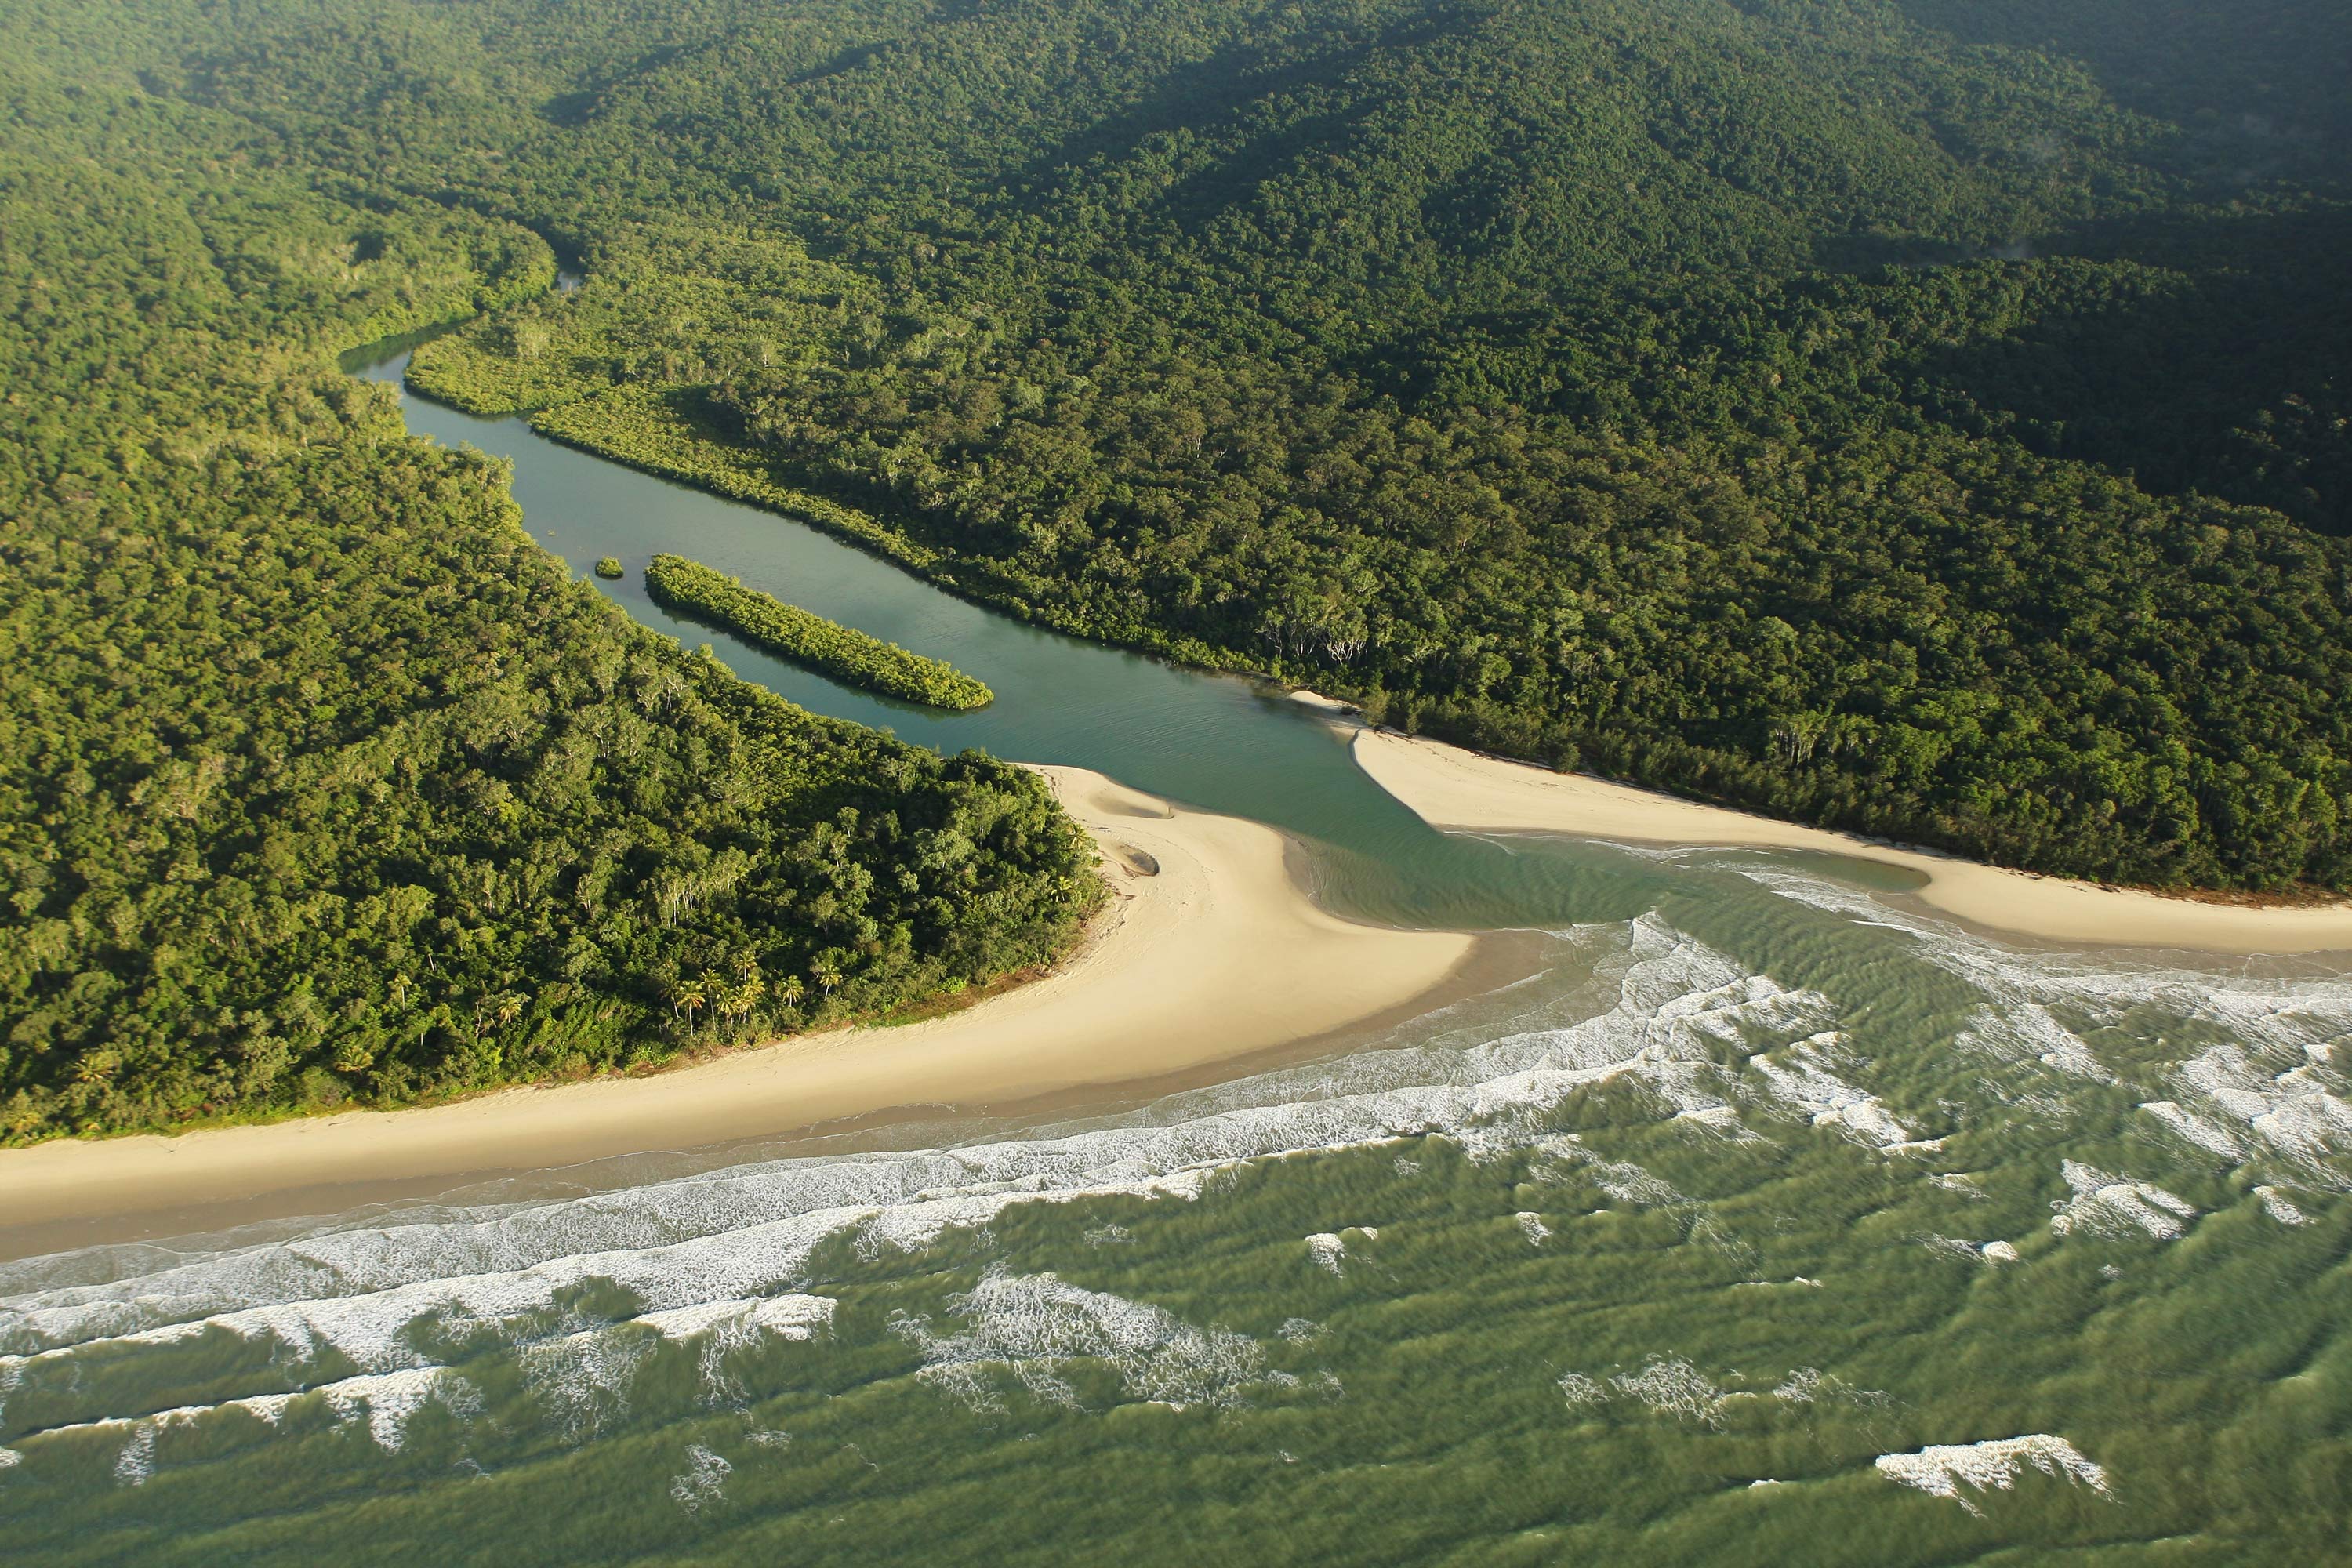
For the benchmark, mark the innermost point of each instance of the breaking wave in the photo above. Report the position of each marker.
(582, 1292)
(1994, 1463)
(713, 1262)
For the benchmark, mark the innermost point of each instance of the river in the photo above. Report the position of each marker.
(1763, 1218)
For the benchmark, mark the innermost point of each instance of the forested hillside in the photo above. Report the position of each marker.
(1915, 415)
(1920, 418)
(320, 782)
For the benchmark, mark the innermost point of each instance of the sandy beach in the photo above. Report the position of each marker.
(1451, 788)
(1211, 950)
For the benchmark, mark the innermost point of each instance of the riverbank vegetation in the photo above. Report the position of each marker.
(845, 653)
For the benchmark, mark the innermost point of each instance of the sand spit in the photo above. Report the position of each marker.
(1452, 788)
(1211, 950)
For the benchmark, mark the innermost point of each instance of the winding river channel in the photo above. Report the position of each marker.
(1761, 1218)
(1221, 742)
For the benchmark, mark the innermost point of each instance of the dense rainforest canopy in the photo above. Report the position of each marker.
(318, 782)
(1926, 416)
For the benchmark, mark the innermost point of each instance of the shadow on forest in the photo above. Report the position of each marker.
(1204, 97)
(2251, 90)
(2230, 372)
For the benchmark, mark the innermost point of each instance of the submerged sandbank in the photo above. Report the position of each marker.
(1211, 950)
(1456, 789)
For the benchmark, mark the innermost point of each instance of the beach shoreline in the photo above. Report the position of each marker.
(1210, 953)
(1455, 790)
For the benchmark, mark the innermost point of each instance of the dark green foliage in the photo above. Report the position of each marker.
(318, 782)
(845, 653)
(609, 566)
(328, 783)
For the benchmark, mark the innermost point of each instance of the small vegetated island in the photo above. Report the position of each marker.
(805, 638)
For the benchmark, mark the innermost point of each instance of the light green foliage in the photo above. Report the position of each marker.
(665, 304)
(827, 647)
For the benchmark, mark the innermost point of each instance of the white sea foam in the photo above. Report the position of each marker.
(703, 1480)
(1974, 1251)
(717, 1329)
(1720, 1120)
(581, 1380)
(1810, 1386)
(136, 1464)
(1630, 1184)
(2105, 1205)
(1329, 1249)
(388, 1401)
(787, 1317)
(2017, 1029)
(2038, 1005)
(2281, 1208)
(268, 1408)
(1578, 1389)
(1804, 1077)
(2200, 1131)
(385, 1402)
(1802, 1386)
(1673, 1386)
(365, 1293)
(1033, 1326)
(2261, 1101)
(1993, 1464)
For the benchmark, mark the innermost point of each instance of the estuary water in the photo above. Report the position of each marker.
(1762, 1219)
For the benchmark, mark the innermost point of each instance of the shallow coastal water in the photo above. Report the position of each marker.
(1763, 1219)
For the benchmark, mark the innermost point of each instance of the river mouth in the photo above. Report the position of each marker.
(1221, 742)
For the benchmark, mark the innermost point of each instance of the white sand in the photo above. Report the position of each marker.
(1210, 951)
(1452, 788)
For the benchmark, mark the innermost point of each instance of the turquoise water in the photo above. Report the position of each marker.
(1764, 1219)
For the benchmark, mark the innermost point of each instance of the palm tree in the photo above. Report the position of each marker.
(689, 995)
(497, 1012)
(737, 1000)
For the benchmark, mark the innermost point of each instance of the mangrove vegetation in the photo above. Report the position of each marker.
(845, 653)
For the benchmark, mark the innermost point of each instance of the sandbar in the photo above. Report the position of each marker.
(1453, 789)
(1210, 949)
